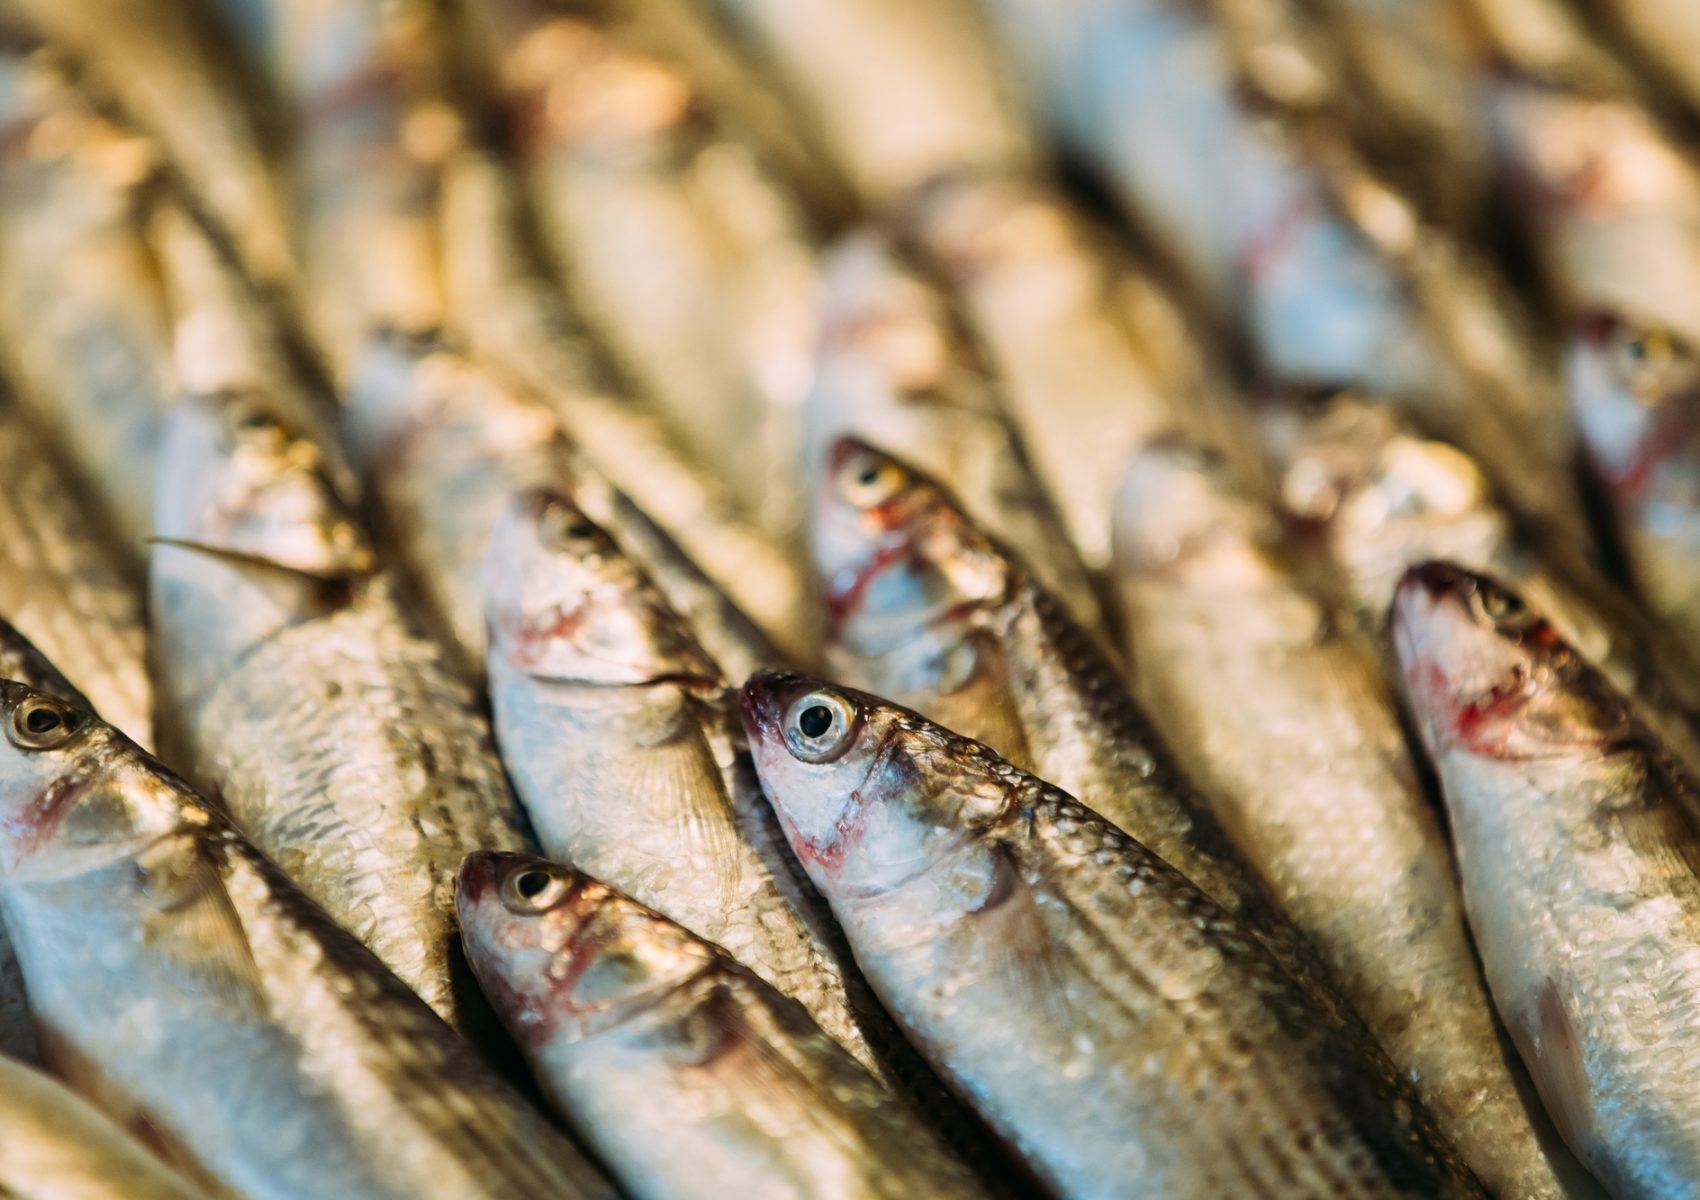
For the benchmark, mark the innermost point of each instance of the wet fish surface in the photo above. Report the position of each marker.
(1577, 846)
(1284, 719)
(263, 1047)
(332, 731)
(1097, 1008)
(649, 1036)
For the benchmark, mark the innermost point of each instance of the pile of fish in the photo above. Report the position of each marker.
(849, 599)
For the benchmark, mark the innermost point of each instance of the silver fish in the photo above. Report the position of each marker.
(1098, 1009)
(614, 725)
(897, 370)
(649, 1037)
(265, 1049)
(55, 1146)
(1285, 722)
(331, 731)
(1578, 851)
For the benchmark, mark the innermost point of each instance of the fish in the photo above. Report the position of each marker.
(1374, 496)
(652, 199)
(506, 303)
(22, 662)
(931, 611)
(56, 1146)
(1097, 1008)
(1282, 716)
(647, 1035)
(63, 581)
(312, 708)
(898, 94)
(1635, 392)
(1576, 844)
(83, 327)
(1666, 34)
(616, 729)
(896, 368)
(1095, 354)
(445, 441)
(264, 1050)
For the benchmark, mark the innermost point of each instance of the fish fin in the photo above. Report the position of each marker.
(1553, 1050)
(1020, 947)
(343, 574)
(199, 926)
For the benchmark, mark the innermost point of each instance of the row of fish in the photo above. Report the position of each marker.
(420, 455)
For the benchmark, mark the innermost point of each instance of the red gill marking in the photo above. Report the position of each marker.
(843, 598)
(830, 855)
(1480, 726)
(1672, 430)
(1261, 255)
(531, 639)
(32, 827)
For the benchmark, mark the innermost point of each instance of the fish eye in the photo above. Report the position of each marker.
(566, 529)
(868, 480)
(1643, 349)
(819, 726)
(533, 890)
(1503, 608)
(42, 723)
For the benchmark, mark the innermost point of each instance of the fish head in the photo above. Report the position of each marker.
(898, 558)
(67, 805)
(565, 603)
(561, 954)
(1488, 676)
(1635, 391)
(1180, 514)
(870, 795)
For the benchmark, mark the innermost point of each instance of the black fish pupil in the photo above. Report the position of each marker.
(870, 475)
(41, 720)
(815, 720)
(531, 884)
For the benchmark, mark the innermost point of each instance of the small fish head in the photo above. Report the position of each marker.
(897, 556)
(562, 955)
(1179, 512)
(869, 795)
(66, 805)
(1488, 676)
(1635, 390)
(565, 603)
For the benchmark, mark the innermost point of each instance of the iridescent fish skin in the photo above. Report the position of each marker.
(614, 724)
(1635, 391)
(333, 733)
(648, 1036)
(899, 93)
(1285, 721)
(1577, 847)
(265, 1049)
(896, 369)
(929, 610)
(56, 1146)
(81, 308)
(1109, 1019)
(655, 201)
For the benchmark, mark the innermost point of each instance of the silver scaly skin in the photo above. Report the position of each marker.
(55, 1146)
(1635, 392)
(927, 609)
(1377, 497)
(648, 1036)
(653, 199)
(262, 1046)
(1127, 1035)
(22, 662)
(508, 306)
(898, 93)
(896, 369)
(1285, 721)
(445, 443)
(1576, 840)
(615, 726)
(81, 309)
(332, 732)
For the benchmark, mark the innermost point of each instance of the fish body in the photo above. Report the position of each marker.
(648, 1036)
(614, 724)
(262, 1046)
(335, 735)
(896, 369)
(1577, 848)
(56, 1146)
(1667, 34)
(1284, 720)
(1122, 1031)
